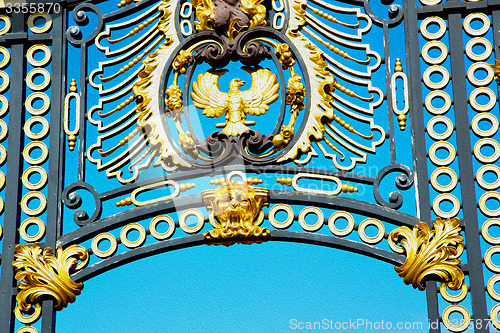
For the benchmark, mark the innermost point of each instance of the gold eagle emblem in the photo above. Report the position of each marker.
(236, 104)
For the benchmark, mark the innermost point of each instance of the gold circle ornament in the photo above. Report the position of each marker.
(29, 172)
(433, 20)
(487, 117)
(157, 220)
(440, 120)
(460, 309)
(23, 229)
(442, 145)
(453, 298)
(477, 32)
(487, 142)
(36, 48)
(438, 94)
(39, 30)
(444, 171)
(487, 259)
(6, 57)
(434, 45)
(7, 26)
(492, 99)
(482, 203)
(279, 208)
(191, 212)
(371, 222)
(112, 246)
(471, 74)
(478, 41)
(28, 319)
(29, 149)
(31, 196)
(480, 177)
(27, 329)
(36, 120)
(490, 287)
(41, 111)
(446, 197)
(436, 85)
(5, 81)
(486, 234)
(494, 316)
(131, 227)
(38, 71)
(341, 232)
(311, 227)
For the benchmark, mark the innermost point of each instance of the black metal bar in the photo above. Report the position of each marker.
(194, 240)
(467, 179)
(418, 135)
(390, 114)
(13, 190)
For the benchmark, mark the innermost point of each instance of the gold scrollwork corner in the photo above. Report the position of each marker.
(236, 210)
(430, 253)
(40, 273)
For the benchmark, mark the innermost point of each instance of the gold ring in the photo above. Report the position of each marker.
(199, 225)
(6, 57)
(436, 85)
(469, 49)
(444, 171)
(487, 142)
(446, 197)
(139, 241)
(460, 309)
(27, 174)
(30, 319)
(38, 47)
(29, 148)
(433, 20)
(186, 10)
(491, 287)
(112, 246)
(453, 298)
(30, 196)
(4, 130)
(165, 235)
(46, 27)
(488, 117)
(471, 74)
(438, 94)
(289, 219)
(5, 105)
(440, 136)
(31, 75)
(41, 111)
(434, 45)
(482, 204)
(375, 239)
(480, 177)
(347, 230)
(485, 231)
(482, 107)
(40, 135)
(5, 81)
(442, 145)
(487, 259)
(311, 210)
(23, 229)
(494, 316)
(430, 2)
(3, 154)
(476, 32)
(5, 29)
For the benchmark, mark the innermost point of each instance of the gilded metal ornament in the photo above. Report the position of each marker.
(41, 273)
(430, 253)
(236, 210)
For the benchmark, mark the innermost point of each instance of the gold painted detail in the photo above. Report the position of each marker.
(41, 273)
(177, 189)
(496, 69)
(430, 253)
(236, 210)
(340, 187)
(398, 73)
(73, 93)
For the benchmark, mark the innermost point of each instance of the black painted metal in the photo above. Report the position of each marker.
(467, 179)
(14, 170)
(418, 135)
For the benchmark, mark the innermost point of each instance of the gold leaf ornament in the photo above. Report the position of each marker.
(430, 253)
(41, 273)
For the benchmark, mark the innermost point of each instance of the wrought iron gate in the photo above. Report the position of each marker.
(104, 106)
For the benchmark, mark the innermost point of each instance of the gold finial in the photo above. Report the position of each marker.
(72, 86)
(398, 68)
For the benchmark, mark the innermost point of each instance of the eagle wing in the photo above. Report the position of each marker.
(207, 96)
(262, 93)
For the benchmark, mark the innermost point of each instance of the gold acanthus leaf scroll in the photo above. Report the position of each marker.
(41, 273)
(236, 210)
(430, 253)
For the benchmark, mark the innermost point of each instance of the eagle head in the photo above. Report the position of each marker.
(235, 84)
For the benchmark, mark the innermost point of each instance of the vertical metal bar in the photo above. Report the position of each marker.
(419, 149)
(83, 108)
(467, 179)
(13, 189)
(56, 171)
(390, 114)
